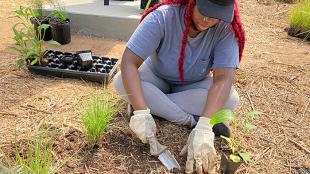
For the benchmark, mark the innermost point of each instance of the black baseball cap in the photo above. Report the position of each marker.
(219, 9)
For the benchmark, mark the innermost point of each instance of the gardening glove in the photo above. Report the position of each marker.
(143, 125)
(200, 148)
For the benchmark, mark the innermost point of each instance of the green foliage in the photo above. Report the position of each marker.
(38, 7)
(40, 156)
(245, 156)
(235, 158)
(241, 127)
(97, 116)
(37, 157)
(300, 16)
(222, 116)
(28, 42)
(60, 14)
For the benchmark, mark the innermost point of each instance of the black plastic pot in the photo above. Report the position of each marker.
(42, 20)
(227, 165)
(85, 59)
(61, 31)
(67, 64)
(143, 3)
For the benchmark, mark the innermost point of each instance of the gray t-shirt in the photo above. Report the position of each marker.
(157, 40)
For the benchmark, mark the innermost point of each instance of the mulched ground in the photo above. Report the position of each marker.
(274, 78)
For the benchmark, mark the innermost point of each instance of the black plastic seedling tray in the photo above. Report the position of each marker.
(69, 65)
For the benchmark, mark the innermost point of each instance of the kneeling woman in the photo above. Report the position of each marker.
(180, 64)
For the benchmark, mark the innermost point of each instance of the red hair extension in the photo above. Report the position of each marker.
(238, 29)
(188, 23)
(236, 25)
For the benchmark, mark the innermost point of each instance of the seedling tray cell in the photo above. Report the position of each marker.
(68, 65)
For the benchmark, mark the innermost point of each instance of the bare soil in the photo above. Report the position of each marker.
(274, 78)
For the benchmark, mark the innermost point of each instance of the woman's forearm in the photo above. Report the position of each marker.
(218, 92)
(131, 79)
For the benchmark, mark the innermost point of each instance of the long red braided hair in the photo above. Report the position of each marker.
(236, 25)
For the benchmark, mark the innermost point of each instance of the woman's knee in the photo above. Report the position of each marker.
(233, 100)
(118, 85)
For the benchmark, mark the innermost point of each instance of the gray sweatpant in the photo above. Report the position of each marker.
(175, 103)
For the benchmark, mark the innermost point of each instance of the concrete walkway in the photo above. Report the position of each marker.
(92, 17)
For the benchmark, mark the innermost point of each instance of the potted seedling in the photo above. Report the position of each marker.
(300, 20)
(60, 24)
(28, 43)
(38, 18)
(233, 156)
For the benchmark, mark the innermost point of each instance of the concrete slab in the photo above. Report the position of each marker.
(92, 17)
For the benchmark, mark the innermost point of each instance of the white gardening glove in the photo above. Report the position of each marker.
(143, 125)
(200, 148)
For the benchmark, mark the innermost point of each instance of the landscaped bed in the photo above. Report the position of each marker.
(274, 78)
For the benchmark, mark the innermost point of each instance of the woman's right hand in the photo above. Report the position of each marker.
(143, 125)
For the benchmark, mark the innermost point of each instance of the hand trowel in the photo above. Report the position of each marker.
(164, 155)
(168, 160)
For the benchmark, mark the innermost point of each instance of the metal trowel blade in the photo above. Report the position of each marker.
(168, 160)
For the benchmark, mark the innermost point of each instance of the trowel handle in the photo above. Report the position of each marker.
(155, 147)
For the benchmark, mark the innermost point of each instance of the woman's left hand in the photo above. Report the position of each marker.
(200, 149)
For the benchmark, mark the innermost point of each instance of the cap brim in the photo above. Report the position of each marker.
(213, 10)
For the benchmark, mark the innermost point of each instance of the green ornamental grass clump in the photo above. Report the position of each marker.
(300, 16)
(97, 116)
(36, 157)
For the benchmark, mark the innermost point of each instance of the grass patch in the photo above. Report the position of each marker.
(36, 157)
(300, 16)
(97, 115)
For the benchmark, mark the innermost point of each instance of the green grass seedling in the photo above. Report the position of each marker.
(36, 158)
(97, 116)
(40, 156)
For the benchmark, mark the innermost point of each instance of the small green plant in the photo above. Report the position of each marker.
(241, 126)
(97, 116)
(300, 17)
(60, 14)
(29, 43)
(37, 157)
(40, 156)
